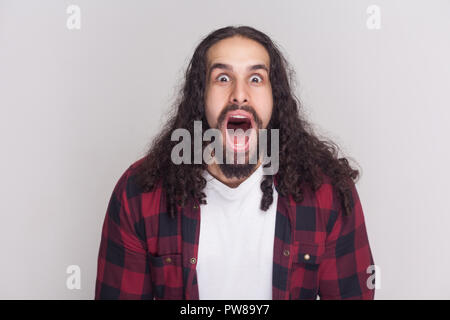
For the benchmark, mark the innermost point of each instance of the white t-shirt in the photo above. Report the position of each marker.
(235, 252)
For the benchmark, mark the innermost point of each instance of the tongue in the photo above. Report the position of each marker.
(239, 138)
(238, 125)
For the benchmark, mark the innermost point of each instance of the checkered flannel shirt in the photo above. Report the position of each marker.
(145, 254)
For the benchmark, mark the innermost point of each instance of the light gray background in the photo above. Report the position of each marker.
(78, 107)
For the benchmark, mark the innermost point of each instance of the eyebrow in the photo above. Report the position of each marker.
(230, 68)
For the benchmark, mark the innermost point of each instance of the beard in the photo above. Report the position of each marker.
(238, 170)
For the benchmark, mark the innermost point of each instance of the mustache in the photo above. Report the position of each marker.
(233, 107)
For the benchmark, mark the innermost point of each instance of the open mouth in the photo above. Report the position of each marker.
(237, 123)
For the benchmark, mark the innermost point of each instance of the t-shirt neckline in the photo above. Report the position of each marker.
(242, 189)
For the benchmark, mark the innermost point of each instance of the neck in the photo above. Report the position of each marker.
(234, 182)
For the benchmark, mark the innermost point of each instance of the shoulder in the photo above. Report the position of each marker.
(126, 184)
(129, 191)
(323, 199)
(327, 195)
(319, 211)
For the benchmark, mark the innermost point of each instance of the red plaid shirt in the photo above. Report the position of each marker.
(144, 254)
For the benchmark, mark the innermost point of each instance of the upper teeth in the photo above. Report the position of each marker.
(239, 117)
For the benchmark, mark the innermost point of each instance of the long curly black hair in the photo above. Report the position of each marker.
(304, 159)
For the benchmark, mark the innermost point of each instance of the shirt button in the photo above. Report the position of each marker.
(195, 206)
(192, 260)
(286, 252)
(169, 260)
(306, 257)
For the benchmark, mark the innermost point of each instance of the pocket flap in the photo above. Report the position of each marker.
(167, 276)
(310, 253)
(166, 259)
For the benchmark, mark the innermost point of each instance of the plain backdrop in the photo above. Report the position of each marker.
(79, 106)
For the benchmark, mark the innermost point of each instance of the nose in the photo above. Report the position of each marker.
(239, 94)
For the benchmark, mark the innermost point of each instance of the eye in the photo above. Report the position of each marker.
(257, 77)
(222, 76)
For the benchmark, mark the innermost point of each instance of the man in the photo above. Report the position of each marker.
(229, 230)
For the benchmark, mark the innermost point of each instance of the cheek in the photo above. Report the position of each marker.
(265, 110)
(211, 109)
(211, 118)
(266, 118)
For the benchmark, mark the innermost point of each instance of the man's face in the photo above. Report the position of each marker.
(238, 93)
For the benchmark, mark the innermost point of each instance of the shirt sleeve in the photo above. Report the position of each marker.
(347, 268)
(123, 266)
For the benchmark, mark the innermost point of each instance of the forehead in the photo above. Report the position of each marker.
(239, 52)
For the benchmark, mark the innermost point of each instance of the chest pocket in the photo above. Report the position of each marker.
(303, 277)
(167, 276)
